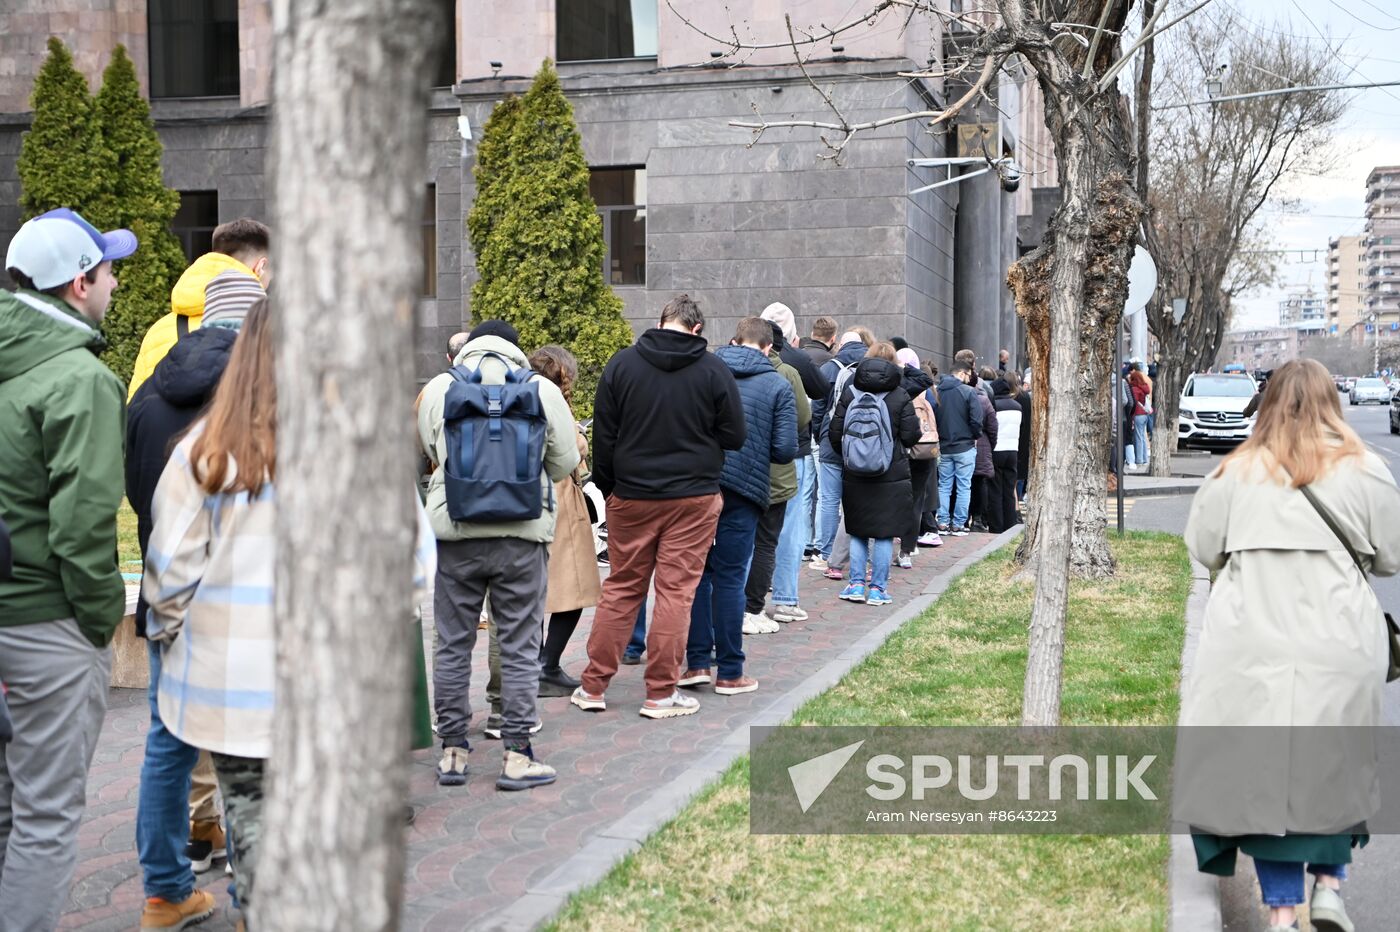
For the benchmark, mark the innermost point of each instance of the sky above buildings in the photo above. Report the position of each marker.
(1365, 35)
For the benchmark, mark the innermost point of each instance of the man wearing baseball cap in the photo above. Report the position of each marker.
(61, 426)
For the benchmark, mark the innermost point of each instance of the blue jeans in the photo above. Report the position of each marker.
(828, 505)
(1137, 453)
(1281, 882)
(787, 562)
(951, 467)
(717, 615)
(807, 494)
(163, 804)
(638, 645)
(877, 553)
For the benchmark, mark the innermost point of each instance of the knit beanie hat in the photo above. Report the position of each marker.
(850, 336)
(781, 315)
(907, 357)
(495, 328)
(228, 297)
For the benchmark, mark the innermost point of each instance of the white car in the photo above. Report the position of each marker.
(1212, 411)
(1366, 391)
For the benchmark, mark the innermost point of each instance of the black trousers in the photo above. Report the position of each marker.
(765, 550)
(977, 502)
(1001, 497)
(919, 472)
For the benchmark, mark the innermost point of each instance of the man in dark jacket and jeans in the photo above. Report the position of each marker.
(663, 496)
(837, 372)
(61, 429)
(167, 812)
(959, 417)
(770, 417)
(818, 347)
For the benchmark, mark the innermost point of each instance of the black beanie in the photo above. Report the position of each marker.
(495, 328)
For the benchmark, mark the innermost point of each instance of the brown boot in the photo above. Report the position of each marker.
(165, 915)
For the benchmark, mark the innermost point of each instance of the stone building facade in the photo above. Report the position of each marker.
(689, 202)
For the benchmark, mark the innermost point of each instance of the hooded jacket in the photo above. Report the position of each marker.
(170, 401)
(810, 385)
(882, 506)
(1009, 416)
(959, 416)
(817, 351)
(914, 380)
(988, 440)
(848, 355)
(187, 302)
(782, 477)
(770, 421)
(560, 449)
(61, 428)
(665, 412)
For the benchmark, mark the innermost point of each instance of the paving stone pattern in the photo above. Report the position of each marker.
(473, 850)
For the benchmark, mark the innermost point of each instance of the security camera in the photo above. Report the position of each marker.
(1010, 177)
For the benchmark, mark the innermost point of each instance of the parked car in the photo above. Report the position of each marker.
(1395, 413)
(1340, 382)
(1350, 383)
(1211, 415)
(1368, 391)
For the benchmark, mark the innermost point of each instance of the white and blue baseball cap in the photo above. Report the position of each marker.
(56, 247)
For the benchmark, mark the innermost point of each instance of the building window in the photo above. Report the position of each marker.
(194, 222)
(430, 243)
(621, 196)
(193, 47)
(445, 71)
(600, 29)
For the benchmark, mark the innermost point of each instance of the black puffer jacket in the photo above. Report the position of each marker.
(163, 407)
(813, 385)
(879, 507)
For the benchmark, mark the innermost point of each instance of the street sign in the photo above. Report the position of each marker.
(1142, 282)
(1395, 325)
(1369, 328)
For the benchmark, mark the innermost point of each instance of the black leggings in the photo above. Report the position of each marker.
(765, 552)
(561, 628)
(919, 472)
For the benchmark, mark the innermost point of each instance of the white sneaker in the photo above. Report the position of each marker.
(788, 613)
(678, 703)
(1326, 911)
(769, 625)
(906, 562)
(931, 539)
(818, 563)
(755, 624)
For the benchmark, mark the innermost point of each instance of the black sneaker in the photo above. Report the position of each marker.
(632, 659)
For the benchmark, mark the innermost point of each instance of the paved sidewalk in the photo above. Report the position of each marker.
(474, 851)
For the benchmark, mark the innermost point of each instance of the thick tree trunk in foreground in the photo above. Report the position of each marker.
(350, 110)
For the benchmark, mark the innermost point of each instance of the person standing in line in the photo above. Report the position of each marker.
(770, 415)
(777, 549)
(664, 500)
(1294, 636)
(873, 424)
(819, 347)
(1003, 363)
(211, 570)
(983, 472)
(1001, 498)
(61, 427)
(1023, 445)
(915, 382)
(508, 555)
(959, 417)
(838, 372)
(1141, 389)
(573, 565)
(170, 809)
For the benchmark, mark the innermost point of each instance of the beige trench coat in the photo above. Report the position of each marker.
(573, 563)
(1293, 636)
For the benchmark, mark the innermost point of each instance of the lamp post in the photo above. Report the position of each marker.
(1376, 327)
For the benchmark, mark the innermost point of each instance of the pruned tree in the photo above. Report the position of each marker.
(62, 161)
(1215, 169)
(1071, 290)
(350, 94)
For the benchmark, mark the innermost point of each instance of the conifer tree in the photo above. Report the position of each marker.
(493, 165)
(140, 201)
(62, 162)
(540, 258)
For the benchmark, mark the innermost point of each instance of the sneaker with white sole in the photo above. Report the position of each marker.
(1326, 912)
(520, 771)
(586, 702)
(452, 769)
(818, 563)
(678, 703)
(877, 596)
(756, 624)
(906, 561)
(740, 684)
(769, 626)
(855, 592)
(788, 613)
(696, 677)
(929, 539)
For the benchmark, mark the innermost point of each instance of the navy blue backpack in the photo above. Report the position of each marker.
(495, 446)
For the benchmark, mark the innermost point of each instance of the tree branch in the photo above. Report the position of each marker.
(1150, 33)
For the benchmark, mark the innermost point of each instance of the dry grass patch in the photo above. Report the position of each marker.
(960, 663)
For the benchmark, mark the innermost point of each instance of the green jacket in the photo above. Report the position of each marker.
(62, 428)
(782, 480)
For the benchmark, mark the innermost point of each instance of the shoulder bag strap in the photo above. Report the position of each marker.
(1331, 523)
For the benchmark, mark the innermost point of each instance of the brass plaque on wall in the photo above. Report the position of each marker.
(973, 136)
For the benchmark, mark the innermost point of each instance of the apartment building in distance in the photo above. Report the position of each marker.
(1346, 283)
(1381, 316)
(1302, 306)
(687, 201)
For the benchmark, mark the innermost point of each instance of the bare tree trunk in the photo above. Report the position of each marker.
(351, 101)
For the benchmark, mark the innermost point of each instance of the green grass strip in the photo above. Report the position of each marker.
(960, 663)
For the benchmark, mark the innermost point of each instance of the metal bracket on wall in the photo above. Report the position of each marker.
(951, 163)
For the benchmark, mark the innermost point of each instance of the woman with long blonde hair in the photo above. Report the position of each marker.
(1295, 637)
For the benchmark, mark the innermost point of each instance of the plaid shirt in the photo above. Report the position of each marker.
(209, 582)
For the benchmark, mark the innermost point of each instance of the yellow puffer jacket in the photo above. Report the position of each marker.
(186, 300)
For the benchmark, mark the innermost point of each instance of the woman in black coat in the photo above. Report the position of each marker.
(877, 509)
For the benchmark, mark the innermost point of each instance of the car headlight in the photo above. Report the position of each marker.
(1187, 413)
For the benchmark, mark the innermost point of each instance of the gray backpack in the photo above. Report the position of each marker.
(867, 443)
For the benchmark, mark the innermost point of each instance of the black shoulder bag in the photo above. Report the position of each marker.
(1391, 630)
